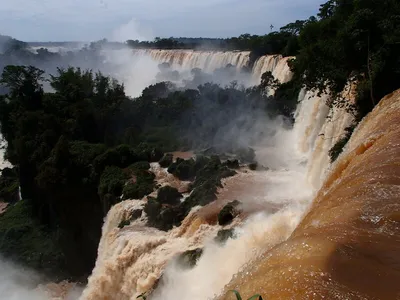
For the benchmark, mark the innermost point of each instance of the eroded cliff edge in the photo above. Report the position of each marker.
(348, 245)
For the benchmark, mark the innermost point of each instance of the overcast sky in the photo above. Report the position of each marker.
(87, 20)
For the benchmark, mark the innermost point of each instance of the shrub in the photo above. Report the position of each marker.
(82, 155)
(137, 190)
(224, 234)
(228, 213)
(9, 185)
(166, 160)
(112, 181)
(140, 165)
(152, 208)
(337, 149)
(253, 166)
(121, 156)
(149, 152)
(124, 223)
(169, 217)
(208, 178)
(232, 164)
(189, 259)
(25, 241)
(142, 185)
(136, 214)
(168, 195)
(183, 169)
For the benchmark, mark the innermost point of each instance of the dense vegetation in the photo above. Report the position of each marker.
(358, 40)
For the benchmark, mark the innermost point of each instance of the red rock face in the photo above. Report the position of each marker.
(348, 245)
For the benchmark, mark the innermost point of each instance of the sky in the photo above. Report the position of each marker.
(88, 20)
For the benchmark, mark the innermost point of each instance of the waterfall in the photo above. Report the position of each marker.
(3, 163)
(209, 61)
(346, 247)
(323, 128)
(276, 64)
(131, 260)
(205, 60)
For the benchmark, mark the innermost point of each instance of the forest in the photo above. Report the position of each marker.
(74, 146)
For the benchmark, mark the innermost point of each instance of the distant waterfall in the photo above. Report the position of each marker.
(209, 61)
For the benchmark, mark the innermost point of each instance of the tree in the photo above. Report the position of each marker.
(352, 40)
(294, 28)
(24, 84)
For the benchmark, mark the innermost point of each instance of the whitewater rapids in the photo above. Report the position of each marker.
(131, 261)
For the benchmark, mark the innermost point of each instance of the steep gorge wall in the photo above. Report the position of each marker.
(348, 245)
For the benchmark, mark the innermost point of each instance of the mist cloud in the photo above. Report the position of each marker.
(95, 19)
(17, 283)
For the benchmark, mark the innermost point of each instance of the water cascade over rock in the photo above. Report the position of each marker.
(132, 259)
(347, 246)
(209, 61)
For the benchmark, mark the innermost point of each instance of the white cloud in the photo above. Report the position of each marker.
(132, 30)
(93, 19)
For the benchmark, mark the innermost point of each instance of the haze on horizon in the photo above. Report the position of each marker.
(74, 20)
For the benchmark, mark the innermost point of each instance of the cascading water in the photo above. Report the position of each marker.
(347, 246)
(209, 61)
(276, 64)
(205, 60)
(131, 260)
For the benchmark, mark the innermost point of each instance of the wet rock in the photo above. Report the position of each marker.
(224, 234)
(155, 154)
(232, 164)
(253, 166)
(169, 195)
(166, 160)
(228, 213)
(152, 208)
(183, 169)
(124, 223)
(169, 217)
(140, 165)
(136, 214)
(189, 259)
